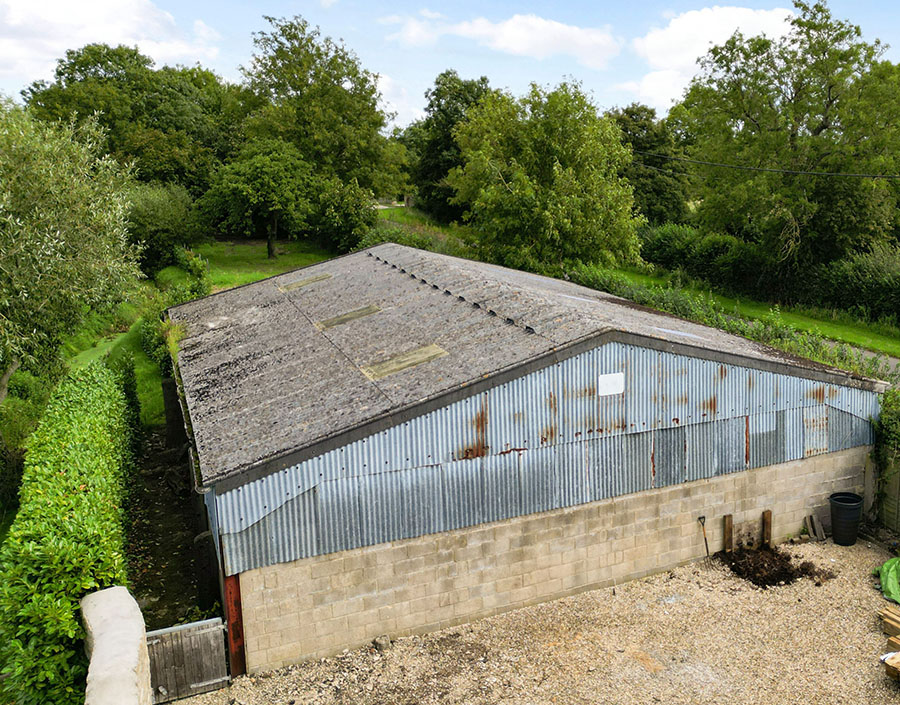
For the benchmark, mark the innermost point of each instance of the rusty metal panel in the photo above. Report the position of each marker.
(421, 508)
(846, 430)
(732, 390)
(675, 390)
(641, 389)
(246, 505)
(500, 489)
(606, 463)
(669, 456)
(793, 434)
(463, 490)
(702, 441)
(767, 439)
(815, 430)
(577, 396)
(574, 475)
(338, 515)
(611, 416)
(540, 442)
(379, 501)
(286, 534)
(539, 478)
(637, 472)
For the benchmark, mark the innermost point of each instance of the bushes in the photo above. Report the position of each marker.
(724, 261)
(343, 214)
(771, 331)
(159, 221)
(67, 538)
(189, 280)
(873, 277)
(732, 264)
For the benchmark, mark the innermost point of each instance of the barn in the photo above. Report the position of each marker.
(396, 441)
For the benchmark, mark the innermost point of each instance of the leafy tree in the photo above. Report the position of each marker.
(438, 152)
(540, 180)
(159, 220)
(266, 188)
(660, 184)
(63, 241)
(176, 124)
(819, 99)
(318, 97)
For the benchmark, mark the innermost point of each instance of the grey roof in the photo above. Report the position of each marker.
(278, 367)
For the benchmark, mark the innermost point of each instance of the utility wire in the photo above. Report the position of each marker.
(759, 168)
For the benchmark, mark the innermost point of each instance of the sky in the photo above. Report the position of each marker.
(621, 52)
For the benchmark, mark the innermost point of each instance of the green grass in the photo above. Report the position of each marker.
(96, 326)
(856, 333)
(234, 263)
(408, 216)
(149, 379)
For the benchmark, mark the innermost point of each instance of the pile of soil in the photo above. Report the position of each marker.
(768, 567)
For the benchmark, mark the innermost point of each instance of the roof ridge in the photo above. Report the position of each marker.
(488, 311)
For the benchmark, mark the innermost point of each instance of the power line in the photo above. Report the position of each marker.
(759, 168)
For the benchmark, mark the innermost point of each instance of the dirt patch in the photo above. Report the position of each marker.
(769, 567)
(161, 550)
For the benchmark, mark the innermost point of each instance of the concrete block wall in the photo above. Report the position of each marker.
(318, 606)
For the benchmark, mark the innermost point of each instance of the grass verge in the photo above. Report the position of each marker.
(234, 263)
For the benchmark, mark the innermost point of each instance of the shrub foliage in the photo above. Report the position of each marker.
(67, 539)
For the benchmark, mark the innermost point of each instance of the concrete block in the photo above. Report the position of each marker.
(116, 644)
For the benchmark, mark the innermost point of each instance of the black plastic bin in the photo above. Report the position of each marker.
(846, 511)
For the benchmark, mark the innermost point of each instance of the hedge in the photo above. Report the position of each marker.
(67, 538)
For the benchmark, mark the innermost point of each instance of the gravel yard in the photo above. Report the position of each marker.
(697, 634)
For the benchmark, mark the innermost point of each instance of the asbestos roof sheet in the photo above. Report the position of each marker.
(289, 362)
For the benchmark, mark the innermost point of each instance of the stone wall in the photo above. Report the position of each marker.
(116, 644)
(318, 606)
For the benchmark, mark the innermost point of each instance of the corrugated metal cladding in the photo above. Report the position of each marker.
(543, 441)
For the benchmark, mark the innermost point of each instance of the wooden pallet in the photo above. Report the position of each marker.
(890, 620)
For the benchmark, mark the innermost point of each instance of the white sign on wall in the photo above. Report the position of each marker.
(611, 384)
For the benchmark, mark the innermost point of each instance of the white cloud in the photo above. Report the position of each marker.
(672, 51)
(431, 14)
(520, 35)
(33, 35)
(327, 3)
(395, 98)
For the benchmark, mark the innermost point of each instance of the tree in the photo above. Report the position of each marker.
(266, 188)
(659, 183)
(318, 97)
(176, 124)
(817, 100)
(438, 151)
(63, 241)
(540, 181)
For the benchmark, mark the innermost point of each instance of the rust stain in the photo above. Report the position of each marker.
(711, 404)
(750, 381)
(512, 450)
(676, 421)
(551, 401)
(818, 393)
(832, 392)
(479, 448)
(548, 435)
(653, 465)
(588, 392)
(747, 440)
(519, 417)
(723, 371)
(577, 434)
(683, 399)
